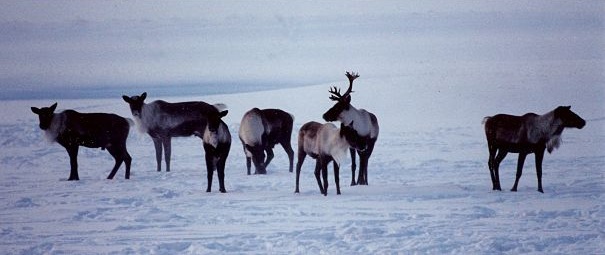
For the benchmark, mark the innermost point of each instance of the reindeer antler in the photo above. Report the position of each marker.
(335, 94)
(351, 76)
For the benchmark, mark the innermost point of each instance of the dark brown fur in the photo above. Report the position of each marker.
(530, 133)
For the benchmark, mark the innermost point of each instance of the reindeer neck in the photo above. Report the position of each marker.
(57, 126)
(550, 125)
(360, 118)
(547, 129)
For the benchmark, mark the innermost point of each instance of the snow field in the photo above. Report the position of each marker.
(429, 189)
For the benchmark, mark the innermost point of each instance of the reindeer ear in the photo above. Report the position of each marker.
(143, 96)
(35, 110)
(223, 113)
(53, 107)
(126, 99)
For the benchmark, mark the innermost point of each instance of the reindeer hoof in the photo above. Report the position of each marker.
(541, 191)
(208, 190)
(223, 191)
(513, 190)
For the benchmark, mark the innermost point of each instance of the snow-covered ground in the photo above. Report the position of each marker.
(429, 191)
(430, 71)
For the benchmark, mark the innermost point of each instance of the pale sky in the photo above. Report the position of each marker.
(61, 10)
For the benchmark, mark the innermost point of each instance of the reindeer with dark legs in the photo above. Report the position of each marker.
(530, 133)
(260, 131)
(216, 147)
(325, 143)
(72, 129)
(363, 122)
(163, 120)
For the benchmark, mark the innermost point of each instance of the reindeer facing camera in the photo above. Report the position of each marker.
(364, 124)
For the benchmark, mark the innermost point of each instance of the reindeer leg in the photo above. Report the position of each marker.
(363, 169)
(220, 170)
(117, 155)
(491, 166)
(539, 158)
(127, 162)
(499, 157)
(520, 162)
(353, 166)
(301, 159)
(248, 164)
(336, 177)
(366, 154)
(317, 173)
(73, 162)
(324, 174)
(288, 148)
(270, 156)
(157, 143)
(209, 155)
(167, 151)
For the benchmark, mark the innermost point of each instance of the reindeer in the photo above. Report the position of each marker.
(163, 120)
(72, 129)
(216, 146)
(363, 122)
(260, 131)
(530, 133)
(325, 143)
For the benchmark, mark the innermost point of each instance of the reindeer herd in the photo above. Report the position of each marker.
(261, 129)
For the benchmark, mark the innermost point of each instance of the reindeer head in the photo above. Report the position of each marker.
(343, 101)
(569, 118)
(211, 134)
(45, 114)
(136, 103)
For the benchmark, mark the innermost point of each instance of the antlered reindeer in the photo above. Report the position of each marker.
(324, 143)
(260, 131)
(363, 122)
(72, 129)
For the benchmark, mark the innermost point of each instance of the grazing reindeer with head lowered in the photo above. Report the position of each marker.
(163, 120)
(363, 122)
(260, 131)
(324, 143)
(530, 133)
(72, 129)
